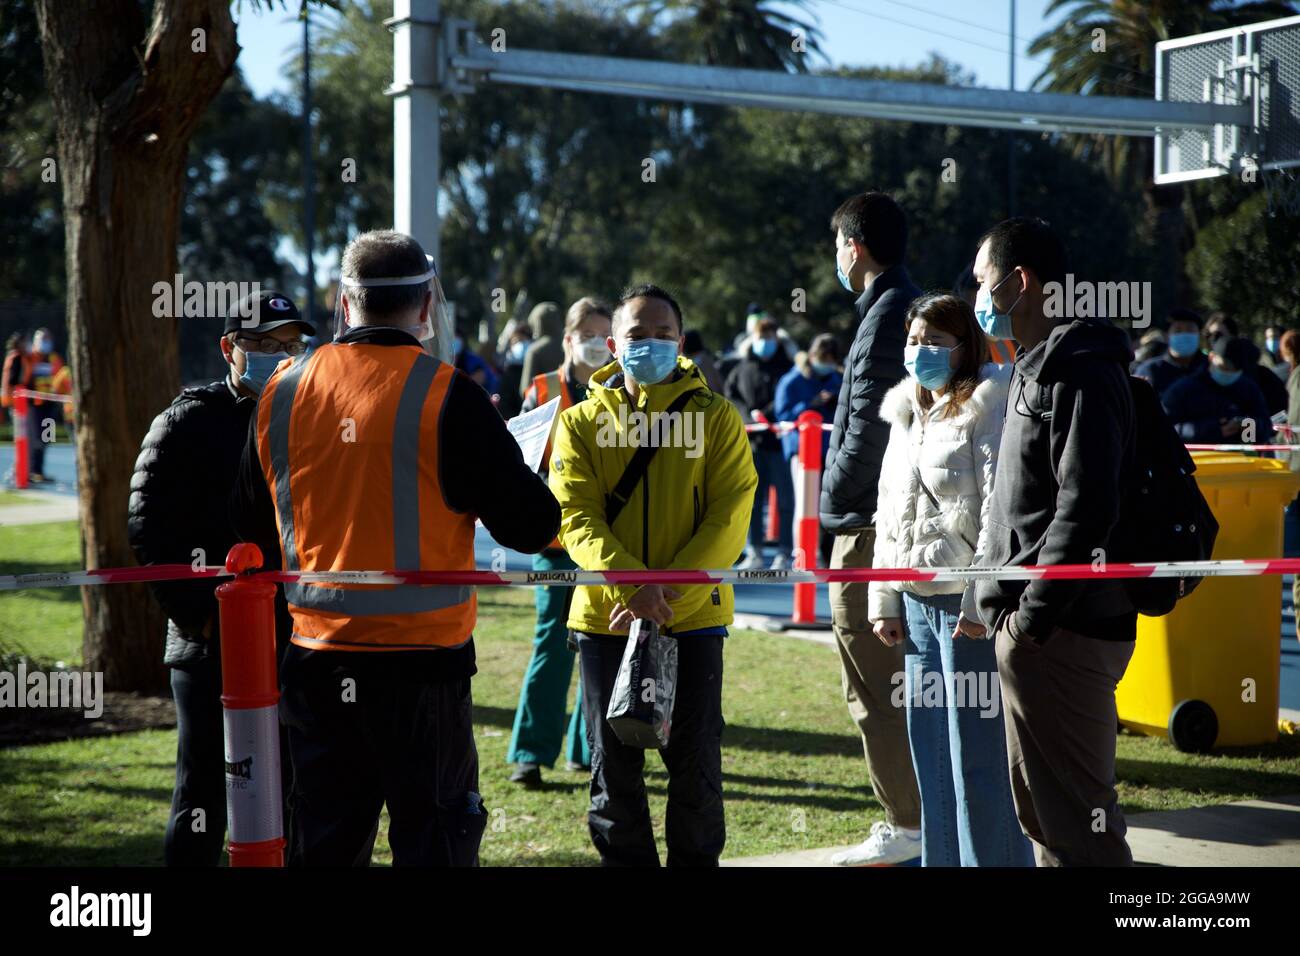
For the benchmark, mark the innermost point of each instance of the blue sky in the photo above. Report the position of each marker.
(973, 33)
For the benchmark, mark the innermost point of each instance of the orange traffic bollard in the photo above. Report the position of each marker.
(250, 697)
(806, 521)
(22, 449)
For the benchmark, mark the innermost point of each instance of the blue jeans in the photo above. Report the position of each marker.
(959, 751)
(773, 469)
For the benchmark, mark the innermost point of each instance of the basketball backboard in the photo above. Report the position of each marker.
(1257, 65)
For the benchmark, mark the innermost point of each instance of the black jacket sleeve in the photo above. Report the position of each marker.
(161, 525)
(1089, 440)
(482, 472)
(875, 366)
(252, 512)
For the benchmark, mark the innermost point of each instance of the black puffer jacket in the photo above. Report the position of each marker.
(874, 366)
(187, 466)
(751, 386)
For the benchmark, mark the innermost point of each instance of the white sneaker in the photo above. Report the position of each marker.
(887, 846)
(751, 561)
(781, 562)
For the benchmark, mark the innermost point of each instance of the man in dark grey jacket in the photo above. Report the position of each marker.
(870, 244)
(1066, 455)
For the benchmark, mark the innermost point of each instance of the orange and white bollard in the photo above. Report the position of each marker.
(22, 449)
(250, 696)
(807, 524)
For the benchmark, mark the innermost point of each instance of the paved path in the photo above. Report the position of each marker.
(1249, 833)
(39, 507)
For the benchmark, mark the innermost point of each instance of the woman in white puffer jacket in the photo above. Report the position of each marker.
(936, 482)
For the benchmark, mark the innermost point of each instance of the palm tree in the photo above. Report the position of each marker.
(744, 33)
(1127, 68)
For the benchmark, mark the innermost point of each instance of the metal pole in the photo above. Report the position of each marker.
(417, 53)
(308, 172)
(1011, 137)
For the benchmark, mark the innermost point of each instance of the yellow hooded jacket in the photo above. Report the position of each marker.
(690, 512)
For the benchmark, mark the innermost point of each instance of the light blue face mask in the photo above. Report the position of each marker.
(1224, 378)
(996, 325)
(258, 367)
(517, 351)
(764, 348)
(844, 280)
(649, 360)
(928, 364)
(1184, 344)
(822, 369)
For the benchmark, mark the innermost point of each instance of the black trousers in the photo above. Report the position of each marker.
(619, 815)
(198, 838)
(362, 734)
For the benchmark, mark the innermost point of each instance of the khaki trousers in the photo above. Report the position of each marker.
(1058, 699)
(867, 669)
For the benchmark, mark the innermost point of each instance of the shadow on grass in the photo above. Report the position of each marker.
(1223, 780)
(799, 743)
(139, 850)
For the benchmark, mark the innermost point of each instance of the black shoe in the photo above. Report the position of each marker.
(574, 767)
(527, 774)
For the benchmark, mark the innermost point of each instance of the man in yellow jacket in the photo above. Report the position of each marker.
(687, 509)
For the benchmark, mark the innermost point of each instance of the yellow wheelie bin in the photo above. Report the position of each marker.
(1206, 674)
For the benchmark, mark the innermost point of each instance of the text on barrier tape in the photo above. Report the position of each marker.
(1056, 572)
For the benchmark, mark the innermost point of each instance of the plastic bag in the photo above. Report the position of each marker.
(641, 706)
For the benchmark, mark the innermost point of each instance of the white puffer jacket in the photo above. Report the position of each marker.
(956, 457)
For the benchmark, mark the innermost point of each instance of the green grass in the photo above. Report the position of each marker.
(794, 772)
(44, 623)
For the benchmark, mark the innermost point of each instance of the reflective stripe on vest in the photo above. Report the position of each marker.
(1002, 351)
(392, 398)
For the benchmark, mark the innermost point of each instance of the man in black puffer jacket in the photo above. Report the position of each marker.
(188, 464)
(870, 245)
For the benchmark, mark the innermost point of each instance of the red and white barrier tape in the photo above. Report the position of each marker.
(1196, 447)
(178, 572)
(45, 396)
(782, 427)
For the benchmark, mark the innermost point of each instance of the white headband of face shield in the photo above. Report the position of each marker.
(436, 327)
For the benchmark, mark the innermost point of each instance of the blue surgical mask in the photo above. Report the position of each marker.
(928, 364)
(822, 369)
(996, 325)
(1224, 378)
(1183, 344)
(459, 345)
(764, 348)
(649, 360)
(844, 280)
(258, 367)
(517, 351)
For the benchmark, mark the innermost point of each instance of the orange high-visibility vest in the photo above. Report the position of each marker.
(1002, 351)
(547, 386)
(347, 437)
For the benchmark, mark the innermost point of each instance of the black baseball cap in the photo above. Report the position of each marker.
(268, 309)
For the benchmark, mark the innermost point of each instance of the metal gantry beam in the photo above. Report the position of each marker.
(837, 95)
(435, 55)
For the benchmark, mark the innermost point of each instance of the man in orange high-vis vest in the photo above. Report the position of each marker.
(369, 454)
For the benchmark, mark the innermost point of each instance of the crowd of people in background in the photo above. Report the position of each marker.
(31, 363)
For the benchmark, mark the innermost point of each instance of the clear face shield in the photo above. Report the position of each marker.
(435, 333)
